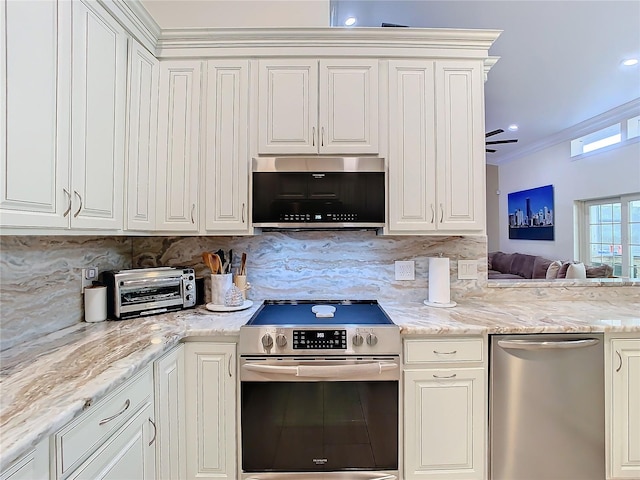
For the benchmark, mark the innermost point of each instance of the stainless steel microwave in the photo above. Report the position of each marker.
(318, 192)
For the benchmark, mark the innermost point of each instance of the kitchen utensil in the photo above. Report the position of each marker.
(206, 258)
(243, 264)
(216, 263)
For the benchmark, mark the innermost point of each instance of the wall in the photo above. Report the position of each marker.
(599, 175)
(493, 209)
(239, 13)
(40, 281)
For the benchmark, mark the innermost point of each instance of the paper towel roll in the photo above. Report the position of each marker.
(95, 303)
(439, 288)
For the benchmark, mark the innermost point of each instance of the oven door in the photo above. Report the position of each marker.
(319, 417)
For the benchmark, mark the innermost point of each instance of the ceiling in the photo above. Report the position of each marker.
(560, 61)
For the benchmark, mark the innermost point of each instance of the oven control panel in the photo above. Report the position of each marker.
(320, 339)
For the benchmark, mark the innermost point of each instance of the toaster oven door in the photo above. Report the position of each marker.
(138, 296)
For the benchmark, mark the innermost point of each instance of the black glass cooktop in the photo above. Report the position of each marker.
(300, 313)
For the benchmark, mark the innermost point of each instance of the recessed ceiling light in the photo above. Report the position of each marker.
(513, 127)
(351, 21)
(629, 62)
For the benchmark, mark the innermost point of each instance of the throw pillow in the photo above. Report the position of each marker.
(562, 273)
(554, 268)
(576, 270)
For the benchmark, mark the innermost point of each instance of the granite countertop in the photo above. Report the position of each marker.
(46, 383)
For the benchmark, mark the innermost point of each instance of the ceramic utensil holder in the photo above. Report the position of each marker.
(219, 286)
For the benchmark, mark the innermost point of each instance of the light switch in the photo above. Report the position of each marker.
(467, 269)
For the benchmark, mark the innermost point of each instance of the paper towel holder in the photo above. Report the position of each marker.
(439, 305)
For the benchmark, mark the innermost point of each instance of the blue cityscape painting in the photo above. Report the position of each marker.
(531, 214)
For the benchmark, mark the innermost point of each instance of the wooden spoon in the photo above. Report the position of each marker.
(206, 258)
(216, 263)
(243, 264)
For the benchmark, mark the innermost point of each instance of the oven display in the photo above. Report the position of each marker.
(320, 339)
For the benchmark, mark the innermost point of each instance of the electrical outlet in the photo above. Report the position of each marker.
(467, 269)
(89, 275)
(405, 270)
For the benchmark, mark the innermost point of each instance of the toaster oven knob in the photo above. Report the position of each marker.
(189, 297)
(372, 339)
(357, 340)
(189, 286)
(281, 340)
(267, 341)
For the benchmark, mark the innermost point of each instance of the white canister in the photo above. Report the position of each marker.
(220, 284)
(95, 303)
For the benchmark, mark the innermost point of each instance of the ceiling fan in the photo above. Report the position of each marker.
(496, 142)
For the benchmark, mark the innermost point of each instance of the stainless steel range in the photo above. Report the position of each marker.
(319, 383)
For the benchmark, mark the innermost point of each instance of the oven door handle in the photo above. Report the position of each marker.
(323, 371)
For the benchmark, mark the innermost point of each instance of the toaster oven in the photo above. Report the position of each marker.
(149, 291)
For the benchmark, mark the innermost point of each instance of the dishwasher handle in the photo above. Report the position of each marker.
(547, 344)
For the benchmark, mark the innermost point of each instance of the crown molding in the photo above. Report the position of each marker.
(622, 112)
(136, 19)
(474, 43)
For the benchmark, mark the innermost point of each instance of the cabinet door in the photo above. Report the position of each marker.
(32, 465)
(210, 410)
(129, 454)
(348, 106)
(412, 193)
(288, 106)
(460, 139)
(444, 432)
(624, 435)
(98, 118)
(227, 161)
(35, 65)
(178, 145)
(141, 140)
(170, 415)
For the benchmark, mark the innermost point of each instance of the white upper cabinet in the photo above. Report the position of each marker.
(178, 145)
(308, 106)
(436, 146)
(412, 149)
(226, 157)
(35, 63)
(98, 118)
(460, 145)
(141, 139)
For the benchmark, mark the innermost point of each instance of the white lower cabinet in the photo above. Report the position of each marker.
(445, 409)
(210, 393)
(32, 465)
(168, 374)
(622, 382)
(113, 439)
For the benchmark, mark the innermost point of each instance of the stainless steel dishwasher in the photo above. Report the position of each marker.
(547, 407)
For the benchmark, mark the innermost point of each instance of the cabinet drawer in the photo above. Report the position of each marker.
(443, 351)
(82, 436)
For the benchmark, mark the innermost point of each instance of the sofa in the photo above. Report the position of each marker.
(519, 266)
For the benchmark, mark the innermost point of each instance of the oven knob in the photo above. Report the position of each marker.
(357, 340)
(267, 341)
(281, 340)
(372, 339)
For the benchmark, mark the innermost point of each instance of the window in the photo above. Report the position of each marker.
(606, 137)
(612, 233)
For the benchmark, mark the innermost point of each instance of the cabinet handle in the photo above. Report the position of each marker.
(155, 432)
(443, 376)
(230, 374)
(322, 137)
(80, 207)
(243, 213)
(441, 213)
(313, 137)
(620, 359)
(69, 199)
(108, 419)
(433, 213)
(193, 207)
(445, 353)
